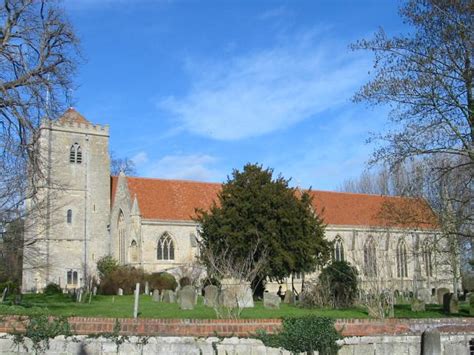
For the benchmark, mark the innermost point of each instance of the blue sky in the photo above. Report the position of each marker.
(193, 89)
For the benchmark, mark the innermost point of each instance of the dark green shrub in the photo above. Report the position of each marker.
(305, 334)
(53, 289)
(106, 265)
(162, 281)
(184, 281)
(342, 280)
(123, 277)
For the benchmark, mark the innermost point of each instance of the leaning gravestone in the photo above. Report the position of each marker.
(271, 301)
(471, 304)
(417, 305)
(4, 294)
(168, 296)
(187, 297)
(120, 292)
(211, 296)
(156, 295)
(245, 297)
(289, 297)
(424, 295)
(450, 304)
(440, 292)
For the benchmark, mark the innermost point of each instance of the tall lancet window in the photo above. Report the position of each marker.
(370, 258)
(402, 263)
(121, 237)
(75, 154)
(165, 249)
(427, 258)
(133, 252)
(338, 249)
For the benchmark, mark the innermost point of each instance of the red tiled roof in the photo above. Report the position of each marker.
(72, 116)
(177, 200)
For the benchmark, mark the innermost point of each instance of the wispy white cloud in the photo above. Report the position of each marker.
(194, 166)
(268, 90)
(140, 158)
(274, 12)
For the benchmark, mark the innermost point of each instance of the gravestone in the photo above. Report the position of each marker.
(440, 292)
(211, 296)
(245, 297)
(147, 289)
(450, 304)
(271, 301)
(424, 295)
(120, 292)
(156, 296)
(289, 297)
(228, 298)
(4, 294)
(94, 291)
(471, 304)
(431, 342)
(168, 296)
(417, 305)
(79, 295)
(187, 297)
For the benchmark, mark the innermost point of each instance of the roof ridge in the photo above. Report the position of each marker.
(173, 180)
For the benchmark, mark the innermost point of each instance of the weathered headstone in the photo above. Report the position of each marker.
(156, 296)
(228, 298)
(79, 295)
(417, 305)
(245, 297)
(431, 342)
(211, 296)
(4, 294)
(120, 292)
(94, 291)
(137, 299)
(289, 297)
(168, 296)
(271, 301)
(424, 295)
(147, 288)
(471, 304)
(440, 292)
(450, 304)
(187, 297)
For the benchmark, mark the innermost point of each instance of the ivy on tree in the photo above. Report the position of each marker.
(254, 208)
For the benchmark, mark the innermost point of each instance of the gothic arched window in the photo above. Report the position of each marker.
(338, 249)
(75, 154)
(69, 216)
(402, 263)
(370, 258)
(427, 256)
(133, 252)
(165, 248)
(121, 236)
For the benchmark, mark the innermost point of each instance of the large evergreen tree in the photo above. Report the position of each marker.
(260, 216)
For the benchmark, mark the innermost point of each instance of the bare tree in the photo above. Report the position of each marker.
(38, 57)
(125, 165)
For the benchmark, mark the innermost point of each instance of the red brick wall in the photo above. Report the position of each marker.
(246, 327)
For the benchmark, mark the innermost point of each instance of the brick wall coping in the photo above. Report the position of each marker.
(246, 327)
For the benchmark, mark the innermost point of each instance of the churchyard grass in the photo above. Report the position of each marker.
(122, 307)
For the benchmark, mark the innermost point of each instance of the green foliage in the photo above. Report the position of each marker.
(40, 328)
(305, 334)
(123, 277)
(184, 281)
(254, 207)
(340, 278)
(161, 281)
(114, 336)
(106, 265)
(52, 289)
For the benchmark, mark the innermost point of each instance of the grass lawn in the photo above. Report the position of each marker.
(122, 307)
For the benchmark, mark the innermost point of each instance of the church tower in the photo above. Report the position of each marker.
(68, 226)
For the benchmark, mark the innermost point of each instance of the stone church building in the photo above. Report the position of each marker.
(85, 213)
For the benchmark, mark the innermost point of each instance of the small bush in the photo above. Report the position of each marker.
(53, 289)
(305, 334)
(123, 277)
(162, 281)
(106, 265)
(184, 281)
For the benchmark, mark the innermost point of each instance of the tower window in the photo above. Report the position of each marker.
(72, 277)
(69, 216)
(75, 154)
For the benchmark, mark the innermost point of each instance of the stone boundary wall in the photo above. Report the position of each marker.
(246, 327)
